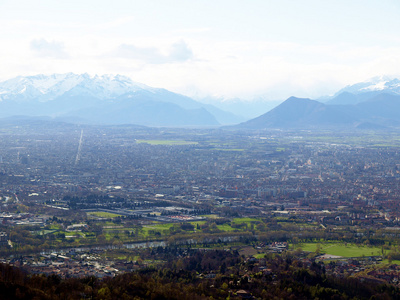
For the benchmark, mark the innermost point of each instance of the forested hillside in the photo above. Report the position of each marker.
(212, 274)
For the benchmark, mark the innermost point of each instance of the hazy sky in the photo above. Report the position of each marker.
(201, 48)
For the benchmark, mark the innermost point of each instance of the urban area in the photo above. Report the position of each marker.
(230, 208)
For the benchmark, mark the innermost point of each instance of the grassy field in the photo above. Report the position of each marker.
(161, 228)
(103, 214)
(167, 142)
(341, 249)
(197, 222)
(226, 228)
(392, 262)
(244, 220)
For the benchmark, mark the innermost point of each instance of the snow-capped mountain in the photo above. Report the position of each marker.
(380, 83)
(363, 91)
(106, 99)
(44, 88)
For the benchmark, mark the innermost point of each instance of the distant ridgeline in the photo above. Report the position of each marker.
(372, 105)
(104, 100)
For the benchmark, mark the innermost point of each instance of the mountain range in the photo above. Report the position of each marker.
(114, 100)
(105, 100)
(363, 91)
(369, 105)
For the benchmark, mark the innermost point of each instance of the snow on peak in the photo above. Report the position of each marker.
(375, 87)
(49, 87)
(376, 84)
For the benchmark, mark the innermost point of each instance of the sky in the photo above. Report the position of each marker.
(206, 48)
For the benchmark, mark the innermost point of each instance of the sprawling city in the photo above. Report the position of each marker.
(102, 201)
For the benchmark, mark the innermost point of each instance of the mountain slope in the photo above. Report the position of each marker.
(379, 112)
(104, 99)
(382, 109)
(143, 111)
(300, 113)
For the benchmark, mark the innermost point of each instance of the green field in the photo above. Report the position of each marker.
(103, 214)
(244, 220)
(341, 249)
(225, 228)
(161, 226)
(392, 262)
(197, 222)
(156, 227)
(166, 142)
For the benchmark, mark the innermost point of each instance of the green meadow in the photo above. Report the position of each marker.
(103, 214)
(245, 220)
(342, 249)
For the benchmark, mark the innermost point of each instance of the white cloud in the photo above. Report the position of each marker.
(146, 54)
(276, 71)
(245, 69)
(239, 50)
(178, 52)
(53, 49)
